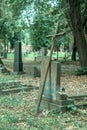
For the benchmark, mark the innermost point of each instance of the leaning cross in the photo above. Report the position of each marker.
(48, 63)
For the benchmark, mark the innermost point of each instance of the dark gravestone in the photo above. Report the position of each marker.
(18, 65)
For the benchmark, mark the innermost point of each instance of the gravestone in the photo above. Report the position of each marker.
(18, 65)
(43, 53)
(32, 70)
(52, 97)
(52, 84)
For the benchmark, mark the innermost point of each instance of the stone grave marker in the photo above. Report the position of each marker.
(52, 84)
(52, 97)
(18, 65)
(43, 53)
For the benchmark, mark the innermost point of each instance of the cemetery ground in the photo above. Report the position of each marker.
(18, 109)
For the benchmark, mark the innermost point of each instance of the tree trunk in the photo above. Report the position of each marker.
(78, 31)
(74, 50)
(85, 19)
(1, 62)
(5, 50)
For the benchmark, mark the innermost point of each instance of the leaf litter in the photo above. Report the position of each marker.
(25, 111)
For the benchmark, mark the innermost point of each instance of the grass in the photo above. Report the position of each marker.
(17, 112)
(35, 54)
(18, 117)
(10, 77)
(29, 58)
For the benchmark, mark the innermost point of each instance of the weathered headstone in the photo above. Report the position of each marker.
(18, 65)
(43, 51)
(53, 98)
(32, 70)
(52, 84)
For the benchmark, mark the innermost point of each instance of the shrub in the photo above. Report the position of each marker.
(81, 71)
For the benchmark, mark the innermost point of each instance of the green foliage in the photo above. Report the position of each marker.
(46, 14)
(10, 11)
(81, 71)
(72, 108)
(10, 117)
(85, 1)
(38, 31)
(11, 101)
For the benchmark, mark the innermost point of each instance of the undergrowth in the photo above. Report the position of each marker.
(81, 71)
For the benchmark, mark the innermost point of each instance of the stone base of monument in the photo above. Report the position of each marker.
(32, 70)
(60, 104)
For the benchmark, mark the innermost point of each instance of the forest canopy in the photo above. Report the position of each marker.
(36, 19)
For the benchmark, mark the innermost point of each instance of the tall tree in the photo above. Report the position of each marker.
(46, 14)
(41, 25)
(77, 28)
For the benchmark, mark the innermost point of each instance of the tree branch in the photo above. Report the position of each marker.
(59, 34)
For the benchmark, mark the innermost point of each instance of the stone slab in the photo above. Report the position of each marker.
(53, 106)
(52, 84)
(61, 96)
(33, 71)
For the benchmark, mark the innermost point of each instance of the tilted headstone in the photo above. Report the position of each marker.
(52, 84)
(18, 65)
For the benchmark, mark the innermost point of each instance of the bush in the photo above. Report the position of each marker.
(81, 71)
